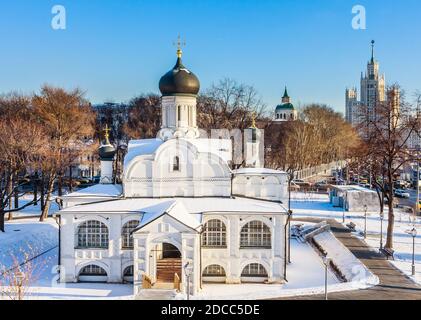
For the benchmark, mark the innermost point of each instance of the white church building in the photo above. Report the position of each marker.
(181, 215)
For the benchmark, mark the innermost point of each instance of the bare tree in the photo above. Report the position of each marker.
(16, 279)
(386, 131)
(68, 121)
(144, 119)
(228, 105)
(21, 145)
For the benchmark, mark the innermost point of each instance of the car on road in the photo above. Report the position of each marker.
(322, 186)
(301, 183)
(402, 194)
(294, 186)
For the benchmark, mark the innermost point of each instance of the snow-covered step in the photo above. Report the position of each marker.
(156, 294)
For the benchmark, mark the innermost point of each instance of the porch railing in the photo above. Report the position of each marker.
(146, 282)
(177, 282)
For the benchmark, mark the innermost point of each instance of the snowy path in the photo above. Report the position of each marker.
(393, 283)
(318, 206)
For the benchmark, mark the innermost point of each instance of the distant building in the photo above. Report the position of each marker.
(372, 92)
(285, 111)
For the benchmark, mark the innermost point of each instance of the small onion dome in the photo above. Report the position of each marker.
(107, 150)
(179, 80)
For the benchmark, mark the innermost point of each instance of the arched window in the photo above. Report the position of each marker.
(214, 270)
(92, 270)
(255, 234)
(128, 274)
(92, 273)
(92, 234)
(176, 164)
(254, 270)
(214, 234)
(126, 237)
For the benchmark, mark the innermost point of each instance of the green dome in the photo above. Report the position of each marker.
(284, 106)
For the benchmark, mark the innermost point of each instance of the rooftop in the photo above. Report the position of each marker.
(192, 206)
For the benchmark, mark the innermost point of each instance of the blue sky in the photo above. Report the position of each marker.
(117, 49)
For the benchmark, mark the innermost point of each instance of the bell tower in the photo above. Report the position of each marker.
(179, 88)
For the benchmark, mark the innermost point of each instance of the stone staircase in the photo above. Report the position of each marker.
(157, 294)
(166, 268)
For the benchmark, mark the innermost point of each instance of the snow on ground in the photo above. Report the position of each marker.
(33, 210)
(305, 274)
(26, 237)
(47, 287)
(318, 206)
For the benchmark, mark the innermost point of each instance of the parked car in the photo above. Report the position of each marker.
(321, 186)
(301, 183)
(402, 194)
(365, 185)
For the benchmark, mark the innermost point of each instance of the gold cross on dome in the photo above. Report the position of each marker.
(253, 120)
(179, 44)
(107, 132)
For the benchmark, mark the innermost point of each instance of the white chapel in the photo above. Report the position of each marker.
(181, 217)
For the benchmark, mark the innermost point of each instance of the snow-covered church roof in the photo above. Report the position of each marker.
(97, 190)
(195, 207)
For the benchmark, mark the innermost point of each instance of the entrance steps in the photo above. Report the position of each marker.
(166, 268)
(157, 294)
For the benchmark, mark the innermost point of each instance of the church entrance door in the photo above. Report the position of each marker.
(168, 263)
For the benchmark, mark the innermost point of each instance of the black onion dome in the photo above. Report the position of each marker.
(179, 81)
(107, 152)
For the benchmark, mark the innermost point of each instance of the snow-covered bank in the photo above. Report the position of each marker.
(357, 275)
(26, 237)
(318, 206)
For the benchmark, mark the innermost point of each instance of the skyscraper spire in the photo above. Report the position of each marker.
(372, 50)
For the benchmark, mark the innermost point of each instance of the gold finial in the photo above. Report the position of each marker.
(107, 134)
(179, 44)
(253, 120)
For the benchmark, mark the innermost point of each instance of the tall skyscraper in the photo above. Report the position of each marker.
(372, 86)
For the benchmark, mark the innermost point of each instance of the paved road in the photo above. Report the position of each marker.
(394, 285)
(408, 202)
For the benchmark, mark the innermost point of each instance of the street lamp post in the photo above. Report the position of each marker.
(344, 207)
(326, 261)
(417, 204)
(187, 273)
(413, 233)
(365, 221)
